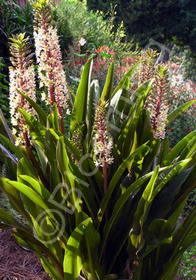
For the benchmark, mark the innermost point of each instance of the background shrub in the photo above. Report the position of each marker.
(181, 91)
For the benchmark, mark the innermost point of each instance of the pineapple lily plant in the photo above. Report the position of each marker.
(100, 198)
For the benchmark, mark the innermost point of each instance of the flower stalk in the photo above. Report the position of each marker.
(102, 144)
(102, 140)
(156, 101)
(159, 105)
(48, 54)
(22, 79)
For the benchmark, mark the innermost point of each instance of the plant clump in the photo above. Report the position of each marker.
(102, 199)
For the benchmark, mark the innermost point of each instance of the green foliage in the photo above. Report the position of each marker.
(3, 90)
(14, 20)
(151, 198)
(149, 19)
(187, 264)
(114, 216)
(183, 54)
(75, 21)
(75, 17)
(182, 92)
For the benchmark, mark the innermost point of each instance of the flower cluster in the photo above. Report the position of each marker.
(22, 79)
(48, 54)
(157, 100)
(102, 141)
(77, 136)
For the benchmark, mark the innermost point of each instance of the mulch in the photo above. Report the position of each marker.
(17, 263)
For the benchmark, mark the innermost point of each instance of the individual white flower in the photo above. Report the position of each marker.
(82, 42)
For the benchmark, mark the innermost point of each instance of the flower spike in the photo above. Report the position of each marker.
(102, 141)
(22, 79)
(48, 54)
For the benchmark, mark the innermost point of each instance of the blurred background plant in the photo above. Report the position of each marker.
(187, 266)
(97, 31)
(14, 19)
(4, 86)
(181, 91)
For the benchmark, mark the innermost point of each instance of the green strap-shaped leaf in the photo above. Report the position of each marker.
(39, 249)
(189, 149)
(37, 130)
(36, 186)
(146, 198)
(164, 150)
(188, 186)
(9, 134)
(64, 167)
(18, 151)
(80, 104)
(183, 238)
(41, 113)
(14, 198)
(107, 90)
(119, 107)
(121, 202)
(32, 195)
(41, 156)
(129, 126)
(177, 169)
(8, 219)
(149, 160)
(75, 180)
(161, 233)
(178, 148)
(90, 255)
(116, 178)
(73, 264)
(127, 75)
(179, 111)
(8, 155)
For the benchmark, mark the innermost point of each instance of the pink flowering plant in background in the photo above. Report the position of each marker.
(179, 90)
(103, 198)
(102, 58)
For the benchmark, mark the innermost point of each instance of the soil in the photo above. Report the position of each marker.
(17, 263)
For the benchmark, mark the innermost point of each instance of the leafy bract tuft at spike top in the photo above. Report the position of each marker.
(147, 65)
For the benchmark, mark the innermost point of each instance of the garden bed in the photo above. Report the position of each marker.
(19, 264)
